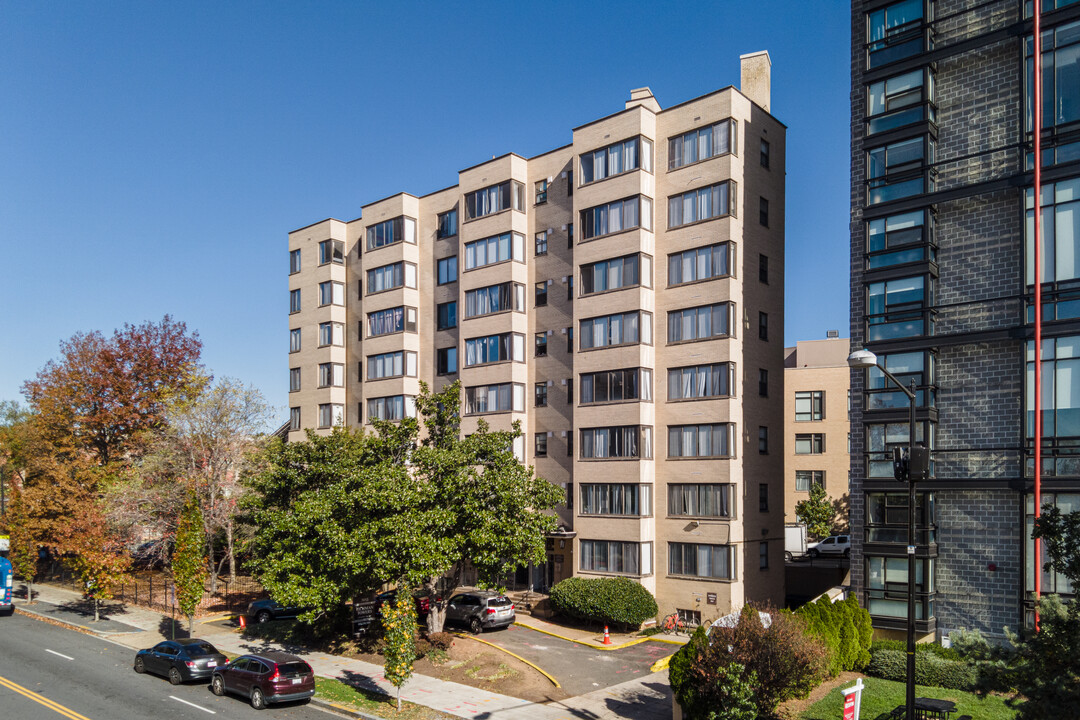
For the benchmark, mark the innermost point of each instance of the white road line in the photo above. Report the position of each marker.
(66, 657)
(200, 707)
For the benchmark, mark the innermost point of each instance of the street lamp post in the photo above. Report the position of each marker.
(864, 359)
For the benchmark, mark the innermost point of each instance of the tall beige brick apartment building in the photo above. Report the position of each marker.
(622, 297)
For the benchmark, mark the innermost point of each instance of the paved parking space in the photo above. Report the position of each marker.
(580, 669)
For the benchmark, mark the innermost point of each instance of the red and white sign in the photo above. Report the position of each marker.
(849, 707)
(852, 700)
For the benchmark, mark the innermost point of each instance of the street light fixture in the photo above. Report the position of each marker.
(911, 470)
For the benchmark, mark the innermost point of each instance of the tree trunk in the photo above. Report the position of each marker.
(97, 615)
(191, 625)
(232, 554)
(399, 698)
(213, 566)
(29, 590)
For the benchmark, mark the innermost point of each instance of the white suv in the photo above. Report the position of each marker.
(832, 545)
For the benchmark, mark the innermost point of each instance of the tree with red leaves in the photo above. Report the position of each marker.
(95, 552)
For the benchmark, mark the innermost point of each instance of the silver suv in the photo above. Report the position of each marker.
(479, 610)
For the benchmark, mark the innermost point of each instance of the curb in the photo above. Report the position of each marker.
(661, 664)
(533, 665)
(59, 623)
(630, 643)
(343, 710)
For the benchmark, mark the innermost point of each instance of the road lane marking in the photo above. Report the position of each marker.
(66, 657)
(200, 707)
(42, 700)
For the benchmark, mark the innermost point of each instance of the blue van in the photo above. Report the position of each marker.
(6, 579)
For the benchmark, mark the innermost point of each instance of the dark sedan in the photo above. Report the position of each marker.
(269, 677)
(180, 660)
(265, 610)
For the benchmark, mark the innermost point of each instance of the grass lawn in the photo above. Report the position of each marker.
(339, 693)
(879, 697)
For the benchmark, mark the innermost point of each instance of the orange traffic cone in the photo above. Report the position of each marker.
(242, 623)
(607, 638)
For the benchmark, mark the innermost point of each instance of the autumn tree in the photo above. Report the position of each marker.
(189, 560)
(22, 544)
(95, 552)
(399, 628)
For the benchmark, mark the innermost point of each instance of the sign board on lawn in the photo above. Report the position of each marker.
(852, 700)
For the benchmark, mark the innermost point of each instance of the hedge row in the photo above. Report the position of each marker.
(901, 646)
(604, 600)
(930, 669)
(845, 629)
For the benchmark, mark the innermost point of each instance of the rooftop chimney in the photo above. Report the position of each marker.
(756, 80)
(643, 96)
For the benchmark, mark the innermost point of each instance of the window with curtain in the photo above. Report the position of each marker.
(702, 144)
(495, 348)
(616, 386)
(628, 441)
(700, 323)
(331, 333)
(620, 272)
(616, 159)
(614, 556)
(620, 329)
(446, 361)
(294, 340)
(701, 381)
(616, 499)
(294, 418)
(507, 195)
(294, 301)
(699, 499)
(294, 379)
(331, 415)
(393, 407)
(294, 262)
(701, 441)
(704, 203)
(390, 232)
(392, 320)
(331, 293)
(388, 277)
(447, 224)
(616, 216)
(699, 560)
(504, 397)
(495, 298)
(332, 251)
(805, 479)
(495, 249)
(392, 364)
(331, 375)
(701, 263)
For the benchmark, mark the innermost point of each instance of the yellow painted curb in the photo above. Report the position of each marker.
(214, 618)
(653, 638)
(534, 666)
(661, 664)
(638, 641)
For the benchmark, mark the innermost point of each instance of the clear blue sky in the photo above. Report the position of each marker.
(154, 155)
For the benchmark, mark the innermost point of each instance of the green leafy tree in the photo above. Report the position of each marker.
(189, 560)
(1060, 535)
(399, 628)
(817, 512)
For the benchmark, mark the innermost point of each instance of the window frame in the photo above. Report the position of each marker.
(675, 154)
(727, 263)
(404, 225)
(641, 159)
(682, 198)
(588, 217)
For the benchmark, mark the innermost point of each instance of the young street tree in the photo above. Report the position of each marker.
(399, 626)
(189, 560)
(96, 553)
(22, 544)
(339, 515)
(817, 512)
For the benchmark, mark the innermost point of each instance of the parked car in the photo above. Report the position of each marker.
(266, 610)
(270, 677)
(423, 604)
(180, 660)
(151, 555)
(832, 545)
(480, 610)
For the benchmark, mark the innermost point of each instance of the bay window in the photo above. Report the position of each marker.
(616, 273)
(702, 144)
(702, 263)
(507, 195)
(900, 239)
(897, 31)
(495, 348)
(618, 329)
(899, 308)
(901, 169)
(504, 397)
(616, 499)
(701, 381)
(704, 203)
(900, 100)
(495, 249)
(714, 440)
(628, 441)
(616, 159)
(613, 217)
(700, 560)
(391, 232)
(700, 499)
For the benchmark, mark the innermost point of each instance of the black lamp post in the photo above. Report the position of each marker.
(909, 469)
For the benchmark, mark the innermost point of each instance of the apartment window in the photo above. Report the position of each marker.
(900, 239)
(569, 391)
(570, 288)
(495, 198)
(895, 32)
(809, 405)
(763, 212)
(616, 499)
(763, 269)
(392, 320)
(1061, 393)
(503, 397)
(1060, 48)
(446, 361)
(702, 144)
(701, 441)
(881, 394)
(699, 500)
(809, 443)
(616, 217)
(616, 159)
(570, 339)
(763, 326)
(495, 249)
(331, 415)
(541, 242)
(393, 407)
(294, 418)
(763, 382)
(391, 232)
(541, 192)
(763, 497)
(391, 276)
(614, 556)
(765, 154)
(628, 441)
(700, 560)
(447, 224)
(294, 340)
(1052, 581)
(763, 440)
(570, 447)
(763, 555)
(541, 344)
(447, 270)
(887, 587)
(494, 298)
(569, 183)
(331, 375)
(331, 333)
(294, 379)
(541, 293)
(701, 263)
(540, 443)
(700, 323)
(540, 394)
(294, 262)
(616, 386)
(446, 315)
(619, 329)
(900, 101)
(392, 364)
(1060, 252)
(570, 235)
(495, 348)
(620, 272)
(332, 251)
(331, 293)
(805, 479)
(881, 438)
(886, 518)
(294, 301)
(702, 204)
(901, 169)
(898, 308)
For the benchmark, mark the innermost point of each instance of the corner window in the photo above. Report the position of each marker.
(392, 320)
(899, 308)
(899, 170)
(504, 397)
(616, 217)
(331, 333)
(616, 159)
(881, 438)
(616, 386)
(900, 239)
(882, 394)
(705, 203)
(620, 272)
(900, 101)
(294, 301)
(331, 415)
(294, 262)
(700, 500)
(331, 375)
(393, 364)
(629, 442)
(495, 249)
(389, 277)
(616, 499)
(331, 293)
(887, 587)
(701, 441)
(394, 407)
(619, 329)
(391, 232)
(703, 263)
(895, 32)
(700, 323)
(504, 347)
(332, 251)
(701, 381)
(702, 144)
(507, 195)
(494, 299)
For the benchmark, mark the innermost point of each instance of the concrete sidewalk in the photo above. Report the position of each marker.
(592, 638)
(646, 698)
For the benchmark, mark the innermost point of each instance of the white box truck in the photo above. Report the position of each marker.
(794, 541)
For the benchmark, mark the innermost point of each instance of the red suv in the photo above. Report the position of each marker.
(270, 677)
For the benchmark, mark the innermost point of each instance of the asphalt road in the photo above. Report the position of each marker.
(578, 668)
(47, 672)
